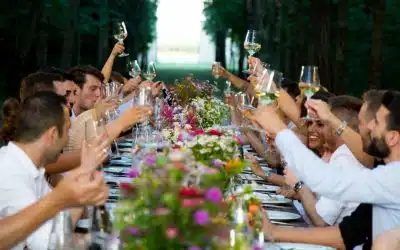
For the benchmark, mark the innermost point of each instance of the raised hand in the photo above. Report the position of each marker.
(320, 110)
(118, 49)
(131, 85)
(134, 115)
(74, 190)
(95, 154)
(267, 117)
(257, 170)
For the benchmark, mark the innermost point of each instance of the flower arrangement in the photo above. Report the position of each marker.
(173, 203)
(210, 111)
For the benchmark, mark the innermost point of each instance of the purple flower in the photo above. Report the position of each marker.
(257, 247)
(201, 217)
(217, 163)
(133, 173)
(214, 195)
(150, 160)
(194, 248)
(133, 231)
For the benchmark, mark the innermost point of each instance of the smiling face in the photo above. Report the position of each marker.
(315, 138)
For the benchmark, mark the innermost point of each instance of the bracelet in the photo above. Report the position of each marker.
(298, 186)
(340, 130)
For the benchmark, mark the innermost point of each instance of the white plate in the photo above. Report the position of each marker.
(282, 216)
(265, 188)
(295, 246)
(125, 150)
(251, 177)
(272, 198)
(124, 144)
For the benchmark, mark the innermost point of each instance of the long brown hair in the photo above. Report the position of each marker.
(10, 111)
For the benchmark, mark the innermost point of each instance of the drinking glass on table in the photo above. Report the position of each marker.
(309, 83)
(120, 34)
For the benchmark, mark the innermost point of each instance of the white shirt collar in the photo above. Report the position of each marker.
(28, 164)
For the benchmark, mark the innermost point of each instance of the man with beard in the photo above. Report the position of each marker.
(379, 186)
(40, 136)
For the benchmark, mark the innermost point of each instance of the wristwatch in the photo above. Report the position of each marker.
(298, 186)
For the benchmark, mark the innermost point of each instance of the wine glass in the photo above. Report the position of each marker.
(309, 83)
(268, 86)
(134, 69)
(150, 73)
(120, 34)
(251, 44)
(215, 70)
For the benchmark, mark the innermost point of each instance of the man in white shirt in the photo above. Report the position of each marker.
(40, 137)
(325, 211)
(380, 186)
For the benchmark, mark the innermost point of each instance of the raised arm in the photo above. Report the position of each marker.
(107, 68)
(343, 183)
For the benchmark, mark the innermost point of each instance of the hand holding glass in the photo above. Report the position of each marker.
(120, 34)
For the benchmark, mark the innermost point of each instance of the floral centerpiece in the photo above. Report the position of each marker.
(210, 111)
(173, 203)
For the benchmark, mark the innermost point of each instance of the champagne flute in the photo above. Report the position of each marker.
(251, 44)
(150, 73)
(120, 34)
(309, 83)
(134, 69)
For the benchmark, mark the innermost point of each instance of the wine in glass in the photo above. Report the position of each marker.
(309, 83)
(150, 73)
(251, 44)
(120, 34)
(134, 69)
(215, 70)
(267, 88)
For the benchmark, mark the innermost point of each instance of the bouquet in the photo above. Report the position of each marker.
(210, 111)
(173, 203)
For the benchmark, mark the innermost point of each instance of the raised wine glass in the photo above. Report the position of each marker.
(251, 44)
(134, 69)
(309, 83)
(120, 34)
(150, 72)
(268, 86)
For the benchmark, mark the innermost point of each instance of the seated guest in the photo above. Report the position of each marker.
(40, 136)
(9, 112)
(71, 192)
(36, 82)
(324, 211)
(379, 186)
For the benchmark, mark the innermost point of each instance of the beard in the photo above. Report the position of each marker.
(378, 148)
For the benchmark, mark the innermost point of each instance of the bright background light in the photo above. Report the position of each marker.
(180, 38)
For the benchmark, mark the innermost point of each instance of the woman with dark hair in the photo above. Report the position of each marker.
(9, 112)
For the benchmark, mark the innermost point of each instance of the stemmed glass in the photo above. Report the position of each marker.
(134, 69)
(120, 34)
(251, 44)
(144, 98)
(111, 92)
(215, 70)
(309, 83)
(150, 73)
(267, 88)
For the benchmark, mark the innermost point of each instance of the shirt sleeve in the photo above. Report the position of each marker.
(14, 198)
(329, 210)
(345, 183)
(356, 229)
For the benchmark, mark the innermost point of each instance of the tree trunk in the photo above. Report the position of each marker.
(220, 44)
(375, 58)
(339, 72)
(320, 18)
(103, 34)
(69, 34)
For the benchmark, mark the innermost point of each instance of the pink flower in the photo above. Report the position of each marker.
(214, 195)
(192, 203)
(217, 163)
(201, 217)
(133, 173)
(161, 211)
(172, 232)
(238, 140)
(133, 231)
(215, 132)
